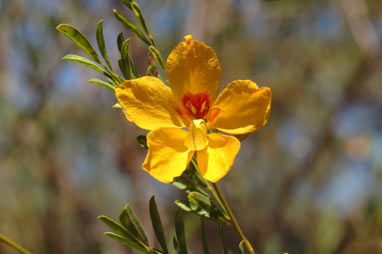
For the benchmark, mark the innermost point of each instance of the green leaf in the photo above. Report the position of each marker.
(186, 185)
(126, 222)
(130, 221)
(102, 83)
(79, 39)
(84, 61)
(130, 26)
(198, 198)
(221, 229)
(204, 236)
(102, 45)
(176, 245)
(157, 224)
(113, 225)
(141, 20)
(180, 233)
(113, 82)
(241, 247)
(142, 140)
(183, 204)
(133, 69)
(121, 67)
(127, 3)
(194, 174)
(128, 242)
(211, 212)
(123, 232)
(125, 63)
(192, 207)
(157, 56)
(120, 40)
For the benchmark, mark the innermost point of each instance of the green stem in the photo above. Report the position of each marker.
(13, 244)
(112, 73)
(233, 219)
(207, 184)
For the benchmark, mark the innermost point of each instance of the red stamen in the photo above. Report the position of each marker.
(196, 105)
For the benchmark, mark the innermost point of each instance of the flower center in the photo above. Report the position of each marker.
(196, 105)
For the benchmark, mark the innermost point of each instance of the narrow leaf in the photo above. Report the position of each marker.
(125, 63)
(101, 44)
(130, 221)
(121, 67)
(128, 242)
(102, 83)
(183, 204)
(204, 236)
(221, 229)
(120, 230)
(141, 20)
(79, 39)
(84, 61)
(136, 223)
(200, 198)
(157, 224)
(192, 207)
(211, 213)
(176, 245)
(133, 69)
(157, 56)
(127, 3)
(120, 40)
(241, 247)
(126, 222)
(130, 26)
(186, 185)
(180, 233)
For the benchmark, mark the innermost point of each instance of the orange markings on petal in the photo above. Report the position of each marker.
(214, 114)
(184, 116)
(196, 105)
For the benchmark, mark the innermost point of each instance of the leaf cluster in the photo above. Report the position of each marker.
(125, 63)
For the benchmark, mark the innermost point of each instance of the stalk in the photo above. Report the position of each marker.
(14, 245)
(211, 190)
(233, 219)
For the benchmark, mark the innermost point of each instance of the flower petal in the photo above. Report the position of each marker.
(148, 103)
(217, 158)
(196, 135)
(193, 67)
(242, 107)
(168, 157)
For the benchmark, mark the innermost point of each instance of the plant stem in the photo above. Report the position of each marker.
(13, 244)
(207, 184)
(111, 73)
(233, 219)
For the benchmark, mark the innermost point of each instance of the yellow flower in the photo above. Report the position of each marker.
(191, 102)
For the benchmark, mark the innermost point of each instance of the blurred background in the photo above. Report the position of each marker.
(310, 181)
